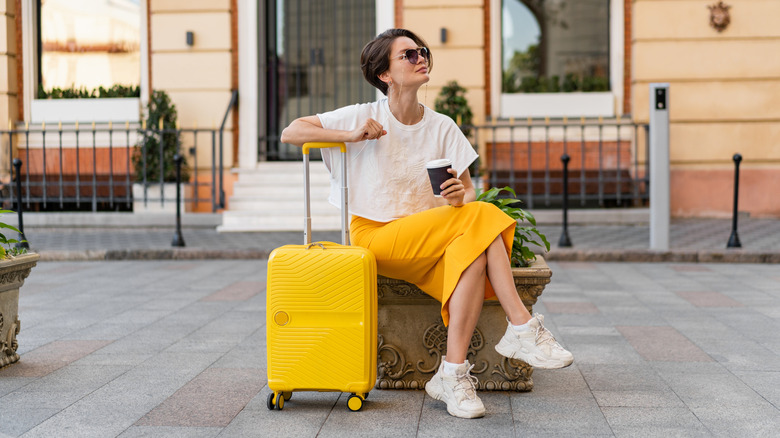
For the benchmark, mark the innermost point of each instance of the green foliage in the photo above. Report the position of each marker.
(522, 256)
(7, 248)
(452, 102)
(159, 108)
(116, 90)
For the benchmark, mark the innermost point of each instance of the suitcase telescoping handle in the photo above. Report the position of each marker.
(344, 193)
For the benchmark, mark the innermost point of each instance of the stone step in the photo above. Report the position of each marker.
(242, 221)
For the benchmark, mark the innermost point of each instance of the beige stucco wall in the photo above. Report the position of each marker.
(724, 98)
(197, 78)
(461, 58)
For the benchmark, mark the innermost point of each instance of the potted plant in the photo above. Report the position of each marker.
(15, 266)
(155, 177)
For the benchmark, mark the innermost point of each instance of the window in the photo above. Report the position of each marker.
(86, 44)
(556, 57)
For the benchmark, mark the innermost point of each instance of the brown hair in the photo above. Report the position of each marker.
(375, 58)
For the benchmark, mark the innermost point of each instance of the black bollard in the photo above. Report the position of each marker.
(178, 240)
(564, 241)
(734, 238)
(23, 243)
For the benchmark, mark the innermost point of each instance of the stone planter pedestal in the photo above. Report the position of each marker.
(413, 339)
(12, 275)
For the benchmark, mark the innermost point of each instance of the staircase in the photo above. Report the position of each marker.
(270, 198)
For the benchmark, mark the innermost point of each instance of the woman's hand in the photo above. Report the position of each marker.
(453, 190)
(370, 130)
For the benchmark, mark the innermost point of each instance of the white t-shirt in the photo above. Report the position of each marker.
(387, 178)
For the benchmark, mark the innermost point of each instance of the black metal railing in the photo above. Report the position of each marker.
(75, 167)
(608, 160)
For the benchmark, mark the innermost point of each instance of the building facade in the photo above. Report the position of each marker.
(517, 59)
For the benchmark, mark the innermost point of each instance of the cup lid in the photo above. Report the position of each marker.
(438, 163)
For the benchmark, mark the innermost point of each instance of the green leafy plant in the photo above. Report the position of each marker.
(116, 90)
(452, 102)
(522, 255)
(7, 248)
(146, 156)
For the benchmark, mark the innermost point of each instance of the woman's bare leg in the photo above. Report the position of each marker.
(465, 305)
(500, 274)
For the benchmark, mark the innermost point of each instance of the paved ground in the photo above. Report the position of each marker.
(177, 348)
(690, 240)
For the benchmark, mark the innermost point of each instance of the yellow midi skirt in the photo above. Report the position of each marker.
(431, 249)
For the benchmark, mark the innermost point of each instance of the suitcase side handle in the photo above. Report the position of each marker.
(344, 191)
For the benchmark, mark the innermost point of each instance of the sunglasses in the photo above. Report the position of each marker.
(413, 55)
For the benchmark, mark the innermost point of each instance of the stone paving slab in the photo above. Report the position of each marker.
(177, 348)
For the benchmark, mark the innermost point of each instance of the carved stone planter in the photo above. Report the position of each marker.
(413, 339)
(12, 275)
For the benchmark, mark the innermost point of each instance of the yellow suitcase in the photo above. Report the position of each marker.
(321, 313)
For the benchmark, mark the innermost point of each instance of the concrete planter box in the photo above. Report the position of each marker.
(153, 204)
(12, 275)
(413, 339)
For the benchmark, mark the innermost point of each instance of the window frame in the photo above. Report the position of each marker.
(574, 104)
(77, 110)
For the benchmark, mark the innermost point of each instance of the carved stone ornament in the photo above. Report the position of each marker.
(12, 275)
(719, 16)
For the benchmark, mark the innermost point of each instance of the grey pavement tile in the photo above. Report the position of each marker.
(622, 377)
(434, 420)
(705, 390)
(10, 384)
(741, 354)
(571, 307)
(601, 349)
(16, 419)
(638, 398)
(170, 432)
(388, 413)
(63, 387)
(302, 417)
(557, 417)
(663, 344)
(654, 422)
(114, 407)
(212, 399)
(766, 383)
(730, 421)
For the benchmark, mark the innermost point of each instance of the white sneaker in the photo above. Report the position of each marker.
(536, 347)
(459, 391)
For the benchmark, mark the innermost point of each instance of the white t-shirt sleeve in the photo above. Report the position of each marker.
(457, 147)
(342, 119)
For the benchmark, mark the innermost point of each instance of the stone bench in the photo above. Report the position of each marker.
(413, 339)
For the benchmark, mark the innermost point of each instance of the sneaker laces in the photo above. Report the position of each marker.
(544, 336)
(467, 383)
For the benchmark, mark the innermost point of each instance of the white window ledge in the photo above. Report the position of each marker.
(576, 104)
(86, 110)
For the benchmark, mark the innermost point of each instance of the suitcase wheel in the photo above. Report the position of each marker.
(355, 403)
(275, 401)
(287, 396)
(365, 396)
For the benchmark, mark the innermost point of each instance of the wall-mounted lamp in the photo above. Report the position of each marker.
(190, 38)
(443, 35)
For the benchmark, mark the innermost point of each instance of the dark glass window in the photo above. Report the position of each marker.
(553, 46)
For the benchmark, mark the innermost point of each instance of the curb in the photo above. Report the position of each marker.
(559, 255)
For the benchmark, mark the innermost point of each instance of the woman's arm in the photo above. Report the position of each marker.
(459, 191)
(306, 129)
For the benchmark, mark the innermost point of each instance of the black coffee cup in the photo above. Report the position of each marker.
(437, 172)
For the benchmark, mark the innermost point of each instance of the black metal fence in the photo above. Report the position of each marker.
(608, 160)
(102, 167)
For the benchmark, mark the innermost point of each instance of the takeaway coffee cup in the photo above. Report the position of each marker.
(437, 172)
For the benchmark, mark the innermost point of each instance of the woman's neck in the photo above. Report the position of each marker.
(405, 107)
